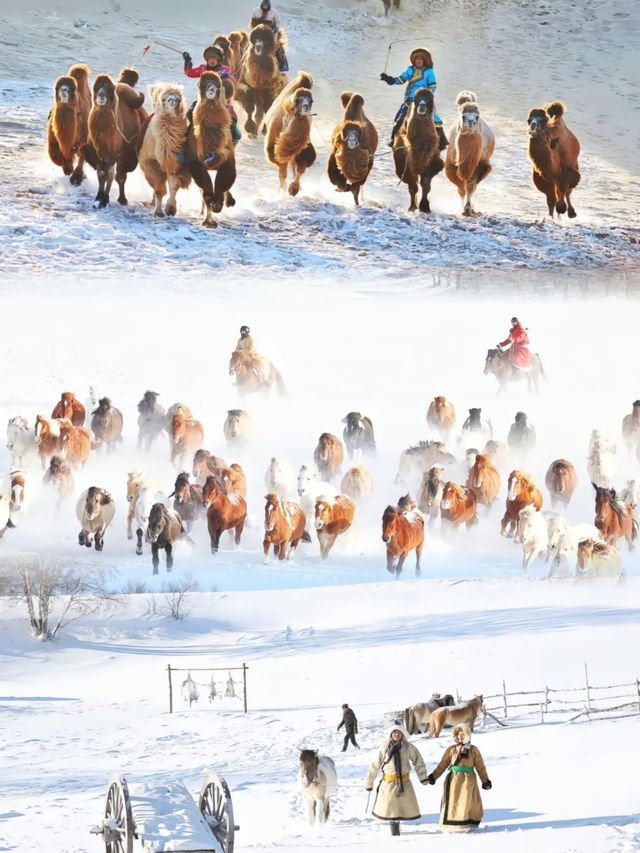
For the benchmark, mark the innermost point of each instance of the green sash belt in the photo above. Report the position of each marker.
(460, 768)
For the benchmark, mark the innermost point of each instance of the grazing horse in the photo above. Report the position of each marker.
(147, 498)
(187, 500)
(598, 560)
(95, 510)
(237, 428)
(441, 416)
(353, 146)
(430, 494)
(75, 443)
(21, 443)
(60, 476)
(416, 717)
(499, 364)
(357, 483)
(106, 424)
(317, 779)
(152, 419)
(416, 150)
(453, 715)
(250, 379)
(333, 516)
(484, 480)
(233, 480)
(614, 519)
(280, 478)
(471, 144)
(358, 434)
(311, 486)
(288, 139)
(224, 512)
(260, 79)
(205, 465)
(284, 527)
(328, 455)
(402, 532)
(521, 492)
(522, 435)
(561, 481)
(553, 152)
(70, 408)
(47, 438)
(186, 435)
(136, 482)
(458, 505)
(631, 426)
(163, 530)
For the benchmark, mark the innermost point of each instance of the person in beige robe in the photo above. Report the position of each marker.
(461, 807)
(395, 797)
(246, 344)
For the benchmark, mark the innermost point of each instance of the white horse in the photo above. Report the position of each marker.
(311, 486)
(563, 543)
(136, 482)
(142, 510)
(280, 478)
(318, 780)
(21, 443)
(631, 495)
(601, 462)
(471, 144)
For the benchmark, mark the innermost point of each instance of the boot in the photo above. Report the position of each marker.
(395, 827)
(442, 138)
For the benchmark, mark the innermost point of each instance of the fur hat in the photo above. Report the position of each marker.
(213, 50)
(424, 53)
(464, 728)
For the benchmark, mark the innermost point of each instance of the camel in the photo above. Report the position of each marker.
(416, 150)
(68, 122)
(114, 124)
(288, 139)
(160, 151)
(553, 152)
(236, 51)
(210, 146)
(260, 80)
(471, 144)
(353, 145)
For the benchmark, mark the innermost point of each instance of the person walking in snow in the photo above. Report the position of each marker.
(518, 341)
(461, 808)
(213, 56)
(419, 75)
(350, 724)
(266, 14)
(395, 797)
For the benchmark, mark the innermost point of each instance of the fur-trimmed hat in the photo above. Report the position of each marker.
(397, 727)
(213, 50)
(464, 728)
(424, 53)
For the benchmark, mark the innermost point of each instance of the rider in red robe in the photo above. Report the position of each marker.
(517, 340)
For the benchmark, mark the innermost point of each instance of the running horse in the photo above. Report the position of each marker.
(224, 512)
(458, 505)
(249, 378)
(284, 527)
(500, 365)
(402, 532)
(521, 492)
(614, 519)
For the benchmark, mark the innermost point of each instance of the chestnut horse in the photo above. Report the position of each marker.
(70, 408)
(224, 512)
(522, 491)
(234, 481)
(614, 519)
(484, 480)
(48, 438)
(333, 516)
(205, 465)
(458, 505)
(561, 481)
(328, 455)
(186, 435)
(284, 527)
(402, 532)
(441, 415)
(249, 379)
(76, 443)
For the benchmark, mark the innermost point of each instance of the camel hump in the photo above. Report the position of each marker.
(79, 72)
(555, 109)
(129, 76)
(344, 98)
(131, 98)
(304, 80)
(466, 98)
(353, 111)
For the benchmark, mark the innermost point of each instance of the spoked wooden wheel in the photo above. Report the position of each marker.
(118, 823)
(217, 809)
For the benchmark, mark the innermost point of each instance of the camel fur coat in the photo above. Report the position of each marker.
(390, 803)
(461, 806)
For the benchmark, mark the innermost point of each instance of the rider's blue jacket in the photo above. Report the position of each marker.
(416, 79)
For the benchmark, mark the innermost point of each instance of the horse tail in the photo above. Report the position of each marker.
(542, 373)
(279, 382)
(634, 530)
(306, 537)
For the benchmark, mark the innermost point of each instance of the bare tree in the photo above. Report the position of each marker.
(175, 595)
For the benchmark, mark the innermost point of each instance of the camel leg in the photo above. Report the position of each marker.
(336, 177)
(425, 183)
(158, 195)
(78, 175)
(105, 179)
(548, 190)
(303, 160)
(250, 125)
(225, 179)
(413, 193)
(139, 543)
(203, 180)
(468, 207)
(155, 560)
(282, 175)
(171, 206)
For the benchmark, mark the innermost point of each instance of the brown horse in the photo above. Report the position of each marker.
(284, 527)
(106, 424)
(76, 443)
(233, 480)
(561, 481)
(416, 150)
(430, 494)
(186, 435)
(353, 146)
(333, 516)
(499, 364)
(260, 80)
(553, 152)
(187, 500)
(458, 505)
(522, 491)
(48, 438)
(484, 480)
(328, 455)
(631, 426)
(70, 408)
(60, 476)
(614, 519)
(205, 465)
(249, 379)
(402, 532)
(163, 530)
(441, 415)
(224, 512)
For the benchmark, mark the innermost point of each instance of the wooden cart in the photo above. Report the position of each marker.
(163, 817)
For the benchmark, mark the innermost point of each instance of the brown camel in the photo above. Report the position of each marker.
(236, 51)
(553, 152)
(68, 119)
(353, 145)
(416, 150)
(471, 144)
(260, 79)
(288, 140)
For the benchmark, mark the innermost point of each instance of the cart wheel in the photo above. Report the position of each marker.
(217, 809)
(118, 822)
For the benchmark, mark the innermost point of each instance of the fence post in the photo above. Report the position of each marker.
(170, 689)
(504, 696)
(542, 712)
(586, 678)
(546, 698)
(244, 685)
(638, 689)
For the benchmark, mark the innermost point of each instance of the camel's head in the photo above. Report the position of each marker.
(423, 102)
(66, 90)
(210, 86)
(537, 121)
(262, 40)
(167, 99)
(469, 117)
(351, 135)
(104, 91)
(303, 102)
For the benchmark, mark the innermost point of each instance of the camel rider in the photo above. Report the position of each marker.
(517, 340)
(419, 75)
(213, 56)
(245, 344)
(266, 14)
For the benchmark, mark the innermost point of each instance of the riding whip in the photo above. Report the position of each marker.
(146, 49)
(398, 41)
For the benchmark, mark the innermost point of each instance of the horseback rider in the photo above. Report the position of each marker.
(419, 75)
(246, 345)
(213, 56)
(517, 340)
(266, 14)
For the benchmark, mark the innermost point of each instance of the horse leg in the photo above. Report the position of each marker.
(400, 564)
(155, 561)
(99, 539)
(265, 550)
(139, 543)
(503, 524)
(311, 812)
(81, 538)
(327, 810)
(418, 558)
(390, 560)
(225, 179)
(203, 179)
(215, 541)
(168, 549)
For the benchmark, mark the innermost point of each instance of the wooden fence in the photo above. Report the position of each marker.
(191, 685)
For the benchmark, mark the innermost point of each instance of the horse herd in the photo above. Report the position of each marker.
(455, 490)
(107, 126)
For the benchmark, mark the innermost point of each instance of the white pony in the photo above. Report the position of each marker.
(631, 495)
(21, 443)
(280, 478)
(142, 510)
(311, 486)
(136, 482)
(532, 533)
(471, 144)
(563, 543)
(601, 461)
(318, 780)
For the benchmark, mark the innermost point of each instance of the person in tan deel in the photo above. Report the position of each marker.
(246, 344)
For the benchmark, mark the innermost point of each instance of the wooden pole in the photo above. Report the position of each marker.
(638, 689)
(244, 685)
(504, 696)
(170, 689)
(586, 678)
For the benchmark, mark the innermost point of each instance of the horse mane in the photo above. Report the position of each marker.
(423, 445)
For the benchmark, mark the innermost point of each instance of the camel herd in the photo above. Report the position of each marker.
(108, 127)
